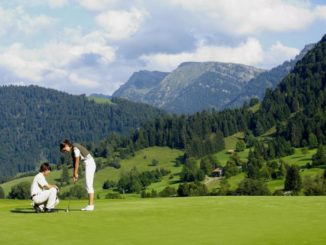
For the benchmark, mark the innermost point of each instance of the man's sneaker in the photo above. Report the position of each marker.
(37, 208)
(88, 208)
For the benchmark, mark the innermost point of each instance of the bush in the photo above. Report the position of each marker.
(115, 164)
(114, 195)
(75, 192)
(151, 194)
(20, 191)
(278, 193)
(190, 171)
(231, 169)
(314, 186)
(224, 188)
(240, 146)
(155, 162)
(134, 181)
(109, 184)
(192, 189)
(2, 193)
(168, 192)
(252, 187)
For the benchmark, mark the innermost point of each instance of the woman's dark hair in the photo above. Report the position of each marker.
(45, 166)
(64, 143)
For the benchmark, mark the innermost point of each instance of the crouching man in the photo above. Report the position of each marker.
(43, 194)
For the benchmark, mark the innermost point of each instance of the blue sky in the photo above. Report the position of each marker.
(93, 46)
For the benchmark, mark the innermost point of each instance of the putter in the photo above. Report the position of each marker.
(68, 208)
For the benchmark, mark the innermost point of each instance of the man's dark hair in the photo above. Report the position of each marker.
(45, 166)
(64, 143)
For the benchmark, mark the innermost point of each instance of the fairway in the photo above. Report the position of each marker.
(197, 220)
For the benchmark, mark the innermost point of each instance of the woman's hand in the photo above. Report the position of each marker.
(75, 177)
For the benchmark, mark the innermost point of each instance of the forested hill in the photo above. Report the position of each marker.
(33, 120)
(298, 105)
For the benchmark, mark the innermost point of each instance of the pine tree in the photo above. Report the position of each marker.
(293, 180)
(64, 179)
(313, 142)
(240, 146)
(320, 157)
(2, 193)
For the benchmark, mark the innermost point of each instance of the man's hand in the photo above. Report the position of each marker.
(75, 177)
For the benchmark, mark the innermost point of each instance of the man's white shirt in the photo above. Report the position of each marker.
(38, 183)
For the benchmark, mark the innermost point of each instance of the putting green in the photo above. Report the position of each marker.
(198, 220)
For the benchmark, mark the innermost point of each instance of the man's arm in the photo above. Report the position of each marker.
(42, 182)
(48, 186)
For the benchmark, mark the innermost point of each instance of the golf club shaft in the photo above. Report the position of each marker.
(70, 199)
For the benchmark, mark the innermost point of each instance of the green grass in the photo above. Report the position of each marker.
(299, 158)
(255, 108)
(233, 181)
(100, 100)
(201, 220)
(230, 143)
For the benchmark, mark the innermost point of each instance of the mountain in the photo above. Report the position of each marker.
(213, 84)
(34, 120)
(139, 84)
(257, 86)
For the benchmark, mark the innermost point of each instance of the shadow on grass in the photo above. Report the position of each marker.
(32, 211)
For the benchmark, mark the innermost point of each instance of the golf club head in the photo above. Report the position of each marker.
(67, 210)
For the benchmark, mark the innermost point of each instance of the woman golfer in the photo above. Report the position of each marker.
(79, 152)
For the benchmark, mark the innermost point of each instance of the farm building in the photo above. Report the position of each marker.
(217, 172)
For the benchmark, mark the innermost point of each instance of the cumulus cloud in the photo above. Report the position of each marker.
(321, 12)
(18, 21)
(249, 52)
(247, 17)
(51, 63)
(278, 53)
(121, 24)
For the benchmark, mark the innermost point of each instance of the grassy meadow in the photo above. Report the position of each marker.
(195, 220)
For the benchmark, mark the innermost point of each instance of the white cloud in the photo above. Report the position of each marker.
(121, 24)
(75, 78)
(18, 21)
(96, 5)
(53, 60)
(278, 53)
(249, 52)
(247, 17)
(321, 12)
